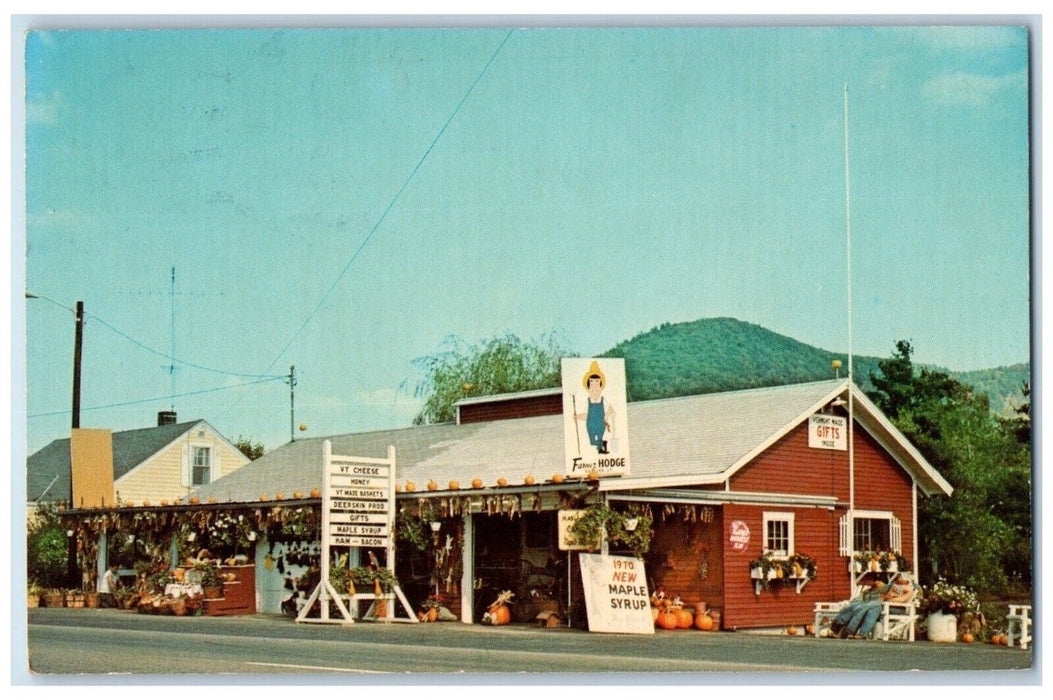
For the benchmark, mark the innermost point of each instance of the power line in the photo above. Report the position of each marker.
(182, 362)
(144, 346)
(158, 398)
(383, 215)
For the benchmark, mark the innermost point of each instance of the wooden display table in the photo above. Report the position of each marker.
(239, 596)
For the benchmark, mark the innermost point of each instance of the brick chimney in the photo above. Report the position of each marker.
(166, 418)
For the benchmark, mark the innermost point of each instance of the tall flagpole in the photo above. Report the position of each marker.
(851, 415)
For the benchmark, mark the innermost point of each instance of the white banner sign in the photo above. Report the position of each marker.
(616, 595)
(595, 423)
(827, 432)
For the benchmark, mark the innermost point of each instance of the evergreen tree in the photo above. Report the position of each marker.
(981, 535)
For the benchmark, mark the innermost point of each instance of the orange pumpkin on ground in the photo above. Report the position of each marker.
(499, 614)
(809, 630)
(792, 631)
(703, 622)
(968, 638)
(666, 620)
(684, 619)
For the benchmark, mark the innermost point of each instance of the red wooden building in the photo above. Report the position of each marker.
(729, 478)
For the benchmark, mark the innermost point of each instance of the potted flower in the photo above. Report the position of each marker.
(211, 581)
(943, 603)
(429, 609)
(879, 560)
(54, 598)
(370, 578)
(33, 593)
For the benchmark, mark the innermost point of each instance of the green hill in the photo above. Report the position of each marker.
(724, 354)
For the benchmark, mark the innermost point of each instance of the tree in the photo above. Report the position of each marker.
(981, 535)
(252, 450)
(502, 364)
(47, 548)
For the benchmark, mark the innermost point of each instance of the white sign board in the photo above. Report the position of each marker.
(616, 595)
(566, 520)
(595, 423)
(827, 432)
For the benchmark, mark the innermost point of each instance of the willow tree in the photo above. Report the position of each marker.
(499, 365)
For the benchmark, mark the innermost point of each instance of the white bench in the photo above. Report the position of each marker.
(895, 622)
(1019, 631)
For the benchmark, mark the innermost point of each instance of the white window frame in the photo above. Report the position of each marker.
(895, 537)
(188, 462)
(194, 466)
(778, 516)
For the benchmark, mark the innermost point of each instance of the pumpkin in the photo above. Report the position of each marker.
(593, 475)
(297, 494)
(211, 500)
(667, 620)
(502, 481)
(315, 493)
(557, 478)
(263, 497)
(529, 481)
(433, 614)
(968, 638)
(411, 487)
(809, 630)
(279, 496)
(194, 500)
(499, 614)
(146, 504)
(684, 619)
(398, 488)
(477, 483)
(164, 502)
(454, 485)
(703, 621)
(792, 631)
(432, 486)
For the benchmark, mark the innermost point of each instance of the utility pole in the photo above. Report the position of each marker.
(292, 403)
(77, 345)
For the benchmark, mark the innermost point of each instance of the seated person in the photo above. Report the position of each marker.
(857, 619)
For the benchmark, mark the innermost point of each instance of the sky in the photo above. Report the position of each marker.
(347, 200)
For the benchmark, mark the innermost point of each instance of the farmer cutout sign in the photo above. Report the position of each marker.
(595, 425)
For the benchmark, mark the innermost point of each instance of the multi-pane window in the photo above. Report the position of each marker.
(778, 534)
(201, 469)
(871, 534)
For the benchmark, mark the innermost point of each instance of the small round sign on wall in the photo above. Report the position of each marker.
(738, 535)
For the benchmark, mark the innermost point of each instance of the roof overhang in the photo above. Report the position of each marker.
(725, 497)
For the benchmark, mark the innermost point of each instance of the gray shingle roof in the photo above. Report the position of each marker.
(130, 449)
(692, 437)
